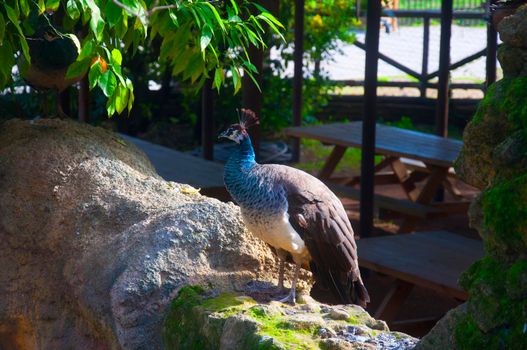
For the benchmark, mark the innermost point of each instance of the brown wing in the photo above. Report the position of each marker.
(320, 219)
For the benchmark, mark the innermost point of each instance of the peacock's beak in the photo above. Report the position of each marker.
(224, 134)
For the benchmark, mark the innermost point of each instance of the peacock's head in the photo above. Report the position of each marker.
(238, 132)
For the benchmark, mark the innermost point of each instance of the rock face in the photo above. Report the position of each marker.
(494, 158)
(206, 321)
(94, 245)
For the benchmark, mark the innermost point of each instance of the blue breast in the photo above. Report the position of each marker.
(254, 190)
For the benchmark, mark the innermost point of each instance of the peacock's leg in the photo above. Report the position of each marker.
(282, 256)
(291, 297)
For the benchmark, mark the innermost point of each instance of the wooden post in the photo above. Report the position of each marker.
(441, 122)
(492, 47)
(296, 119)
(424, 64)
(370, 114)
(207, 121)
(65, 101)
(84, 100)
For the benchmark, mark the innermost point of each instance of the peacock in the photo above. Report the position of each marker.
(296, 214)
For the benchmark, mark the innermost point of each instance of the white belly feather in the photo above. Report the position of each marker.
(278, 232)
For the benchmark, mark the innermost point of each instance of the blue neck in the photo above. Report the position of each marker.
(243, 156)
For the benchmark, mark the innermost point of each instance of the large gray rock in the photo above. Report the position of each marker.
(94, 244)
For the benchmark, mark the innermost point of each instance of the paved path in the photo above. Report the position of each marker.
(406, 46)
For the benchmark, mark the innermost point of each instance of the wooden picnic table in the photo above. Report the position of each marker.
(410, 156)
(432, 260)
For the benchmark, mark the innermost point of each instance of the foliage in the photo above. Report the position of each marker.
(326, 23)
(198, 39)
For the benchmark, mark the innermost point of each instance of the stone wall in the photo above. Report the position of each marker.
(494, 158)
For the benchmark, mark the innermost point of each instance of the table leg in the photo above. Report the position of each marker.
(382, 164)
(406, 180)
(331, 163)
(392, 302)
(427, 193)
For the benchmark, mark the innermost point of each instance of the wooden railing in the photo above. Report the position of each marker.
(425, 76)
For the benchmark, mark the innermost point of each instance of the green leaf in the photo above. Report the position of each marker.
(173, 17)
(25, 47)
(118, 72)
(121, 98)
(72, 9)
(77, 68)
(218, 78)
(206, 37)
(52, 5)
(86, 51)
(181, 62)
(235, 7)
(236, 79)
(2, 29)
(12, 14)
(110, 106)
(41, 7)
(117, 58)
(131, 97)
(95, 73)
(113, 13)
(235, 19)
(108, 82)
(96, 21)
(272, 19)
(271, 24)
(24, 7)
(216, 15)
(7, 57)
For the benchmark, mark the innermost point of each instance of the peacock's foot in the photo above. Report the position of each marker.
(290, 298)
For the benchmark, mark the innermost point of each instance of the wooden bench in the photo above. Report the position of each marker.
(432, 260)
(180, 167)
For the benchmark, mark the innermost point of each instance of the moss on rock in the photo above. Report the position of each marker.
(494, 158)
(200, 319)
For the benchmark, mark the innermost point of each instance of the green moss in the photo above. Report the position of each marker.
(285, 333)
(517, 280)
(486, 271)
(227, 304)
(505, 213)
(506, 98)
(469, 337)
(179, 323)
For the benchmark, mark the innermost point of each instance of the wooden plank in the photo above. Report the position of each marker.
(403, 206)
(180, 167)
(390, 141)
(427, 259)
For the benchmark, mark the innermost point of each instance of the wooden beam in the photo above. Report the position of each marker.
(441, 122)
(492, 47)
(370, 115)
(424, 63)
(298, 74)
